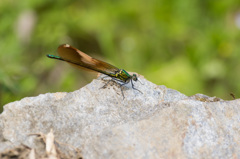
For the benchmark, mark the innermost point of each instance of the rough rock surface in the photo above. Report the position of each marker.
(157, 123)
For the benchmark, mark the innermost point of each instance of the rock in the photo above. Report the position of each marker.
(157, 123)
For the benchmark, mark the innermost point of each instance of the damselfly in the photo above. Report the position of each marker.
(81, 60)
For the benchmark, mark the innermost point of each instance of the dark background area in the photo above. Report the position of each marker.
(192, 46)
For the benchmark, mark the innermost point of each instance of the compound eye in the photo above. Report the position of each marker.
(134, 77)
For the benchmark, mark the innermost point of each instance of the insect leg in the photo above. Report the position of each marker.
(135, 88)
(106, 84)
(122, 90)
(114, 80)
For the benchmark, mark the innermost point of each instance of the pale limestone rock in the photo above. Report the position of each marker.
(157, 123)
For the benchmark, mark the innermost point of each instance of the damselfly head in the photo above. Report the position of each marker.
(134, 77)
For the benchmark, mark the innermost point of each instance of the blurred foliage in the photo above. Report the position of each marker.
(192, 46)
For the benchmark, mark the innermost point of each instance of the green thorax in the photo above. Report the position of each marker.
(122, 75)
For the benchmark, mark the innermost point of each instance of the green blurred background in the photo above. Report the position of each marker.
(192, 46)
